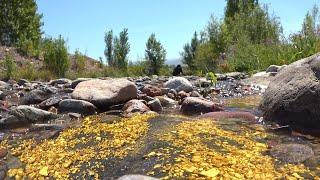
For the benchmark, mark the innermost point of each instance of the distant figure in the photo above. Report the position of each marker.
(177, 70)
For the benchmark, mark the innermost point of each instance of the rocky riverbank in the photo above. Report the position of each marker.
(37, 118)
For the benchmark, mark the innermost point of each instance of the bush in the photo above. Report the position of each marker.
(9, 65)
(56, 56)
(27, 48)
(27, 72)
(79, 61)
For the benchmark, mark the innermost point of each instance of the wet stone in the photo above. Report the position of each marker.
(292, 153)
(3, 152)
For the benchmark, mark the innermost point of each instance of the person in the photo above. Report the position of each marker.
(177, 70)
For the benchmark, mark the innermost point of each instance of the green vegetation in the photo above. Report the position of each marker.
(9, 66)
(20, 25)
(249, 39)
(155, 55)
(56, 56)
(79, 61)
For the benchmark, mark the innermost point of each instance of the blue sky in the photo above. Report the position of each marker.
(83, 22)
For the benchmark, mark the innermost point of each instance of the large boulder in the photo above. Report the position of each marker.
(27, 114)
(292, 153)
(293, 97)
(76, 106)
(195, 105)
(179, 84)
(104, 93)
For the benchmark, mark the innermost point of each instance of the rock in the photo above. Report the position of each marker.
(183, 95)
(104, 93)
(194, 105)
(60, 81)
(136, 177)
(195, 94)
(79, 80)
(74, 115)
(34, 97)
(53, 101)
(167, 102)
(27, 114)
(292, 153)
(135, 106)
(226, 115)
(3, 85)
(273, 69)
(155, 105)
(22, 82)
(152, 90)
(3, 170)
(293, 97)
(179, 84)
(3, 152)
(2, 95)
(236, 75)
(76, 106)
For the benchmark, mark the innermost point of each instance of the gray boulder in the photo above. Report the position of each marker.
(76, 106)
(27, 114)
(104, 93)
(79, 80)
(35, 96)
(179, 84)
(293, 96)
(195, 106)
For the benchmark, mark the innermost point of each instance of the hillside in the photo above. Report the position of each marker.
(91, 65)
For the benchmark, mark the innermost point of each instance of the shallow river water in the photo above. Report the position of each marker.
(167, 146)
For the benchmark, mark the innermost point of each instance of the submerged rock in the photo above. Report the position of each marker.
(136, 177)
(179, 84)
(226, 115)
(292, 153)
(293, 97)
(104, 93)
(195, 105)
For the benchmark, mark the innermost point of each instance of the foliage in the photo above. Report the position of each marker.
(20, 23)
(189, 51)
(79, 61)
(155, 54)
(211, 77)
(56, 56)
(9, 65)
(121, 50)
(109, 48)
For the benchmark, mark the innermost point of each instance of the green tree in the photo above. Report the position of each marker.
(121, 49)
(236, 6)
(189, 51)
(56, 56)
(155, 54)
(19, 21)
(109, 48)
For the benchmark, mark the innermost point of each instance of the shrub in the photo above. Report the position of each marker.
(56, 56)
(79, 61)
(9, 65)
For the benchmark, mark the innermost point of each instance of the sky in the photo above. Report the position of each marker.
(83, 23)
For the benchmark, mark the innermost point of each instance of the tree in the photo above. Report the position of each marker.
(109, 48)
(189, 51)
(56, 56)
(19, 20)
(121, 49)
(236, 6)
(155, 54)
